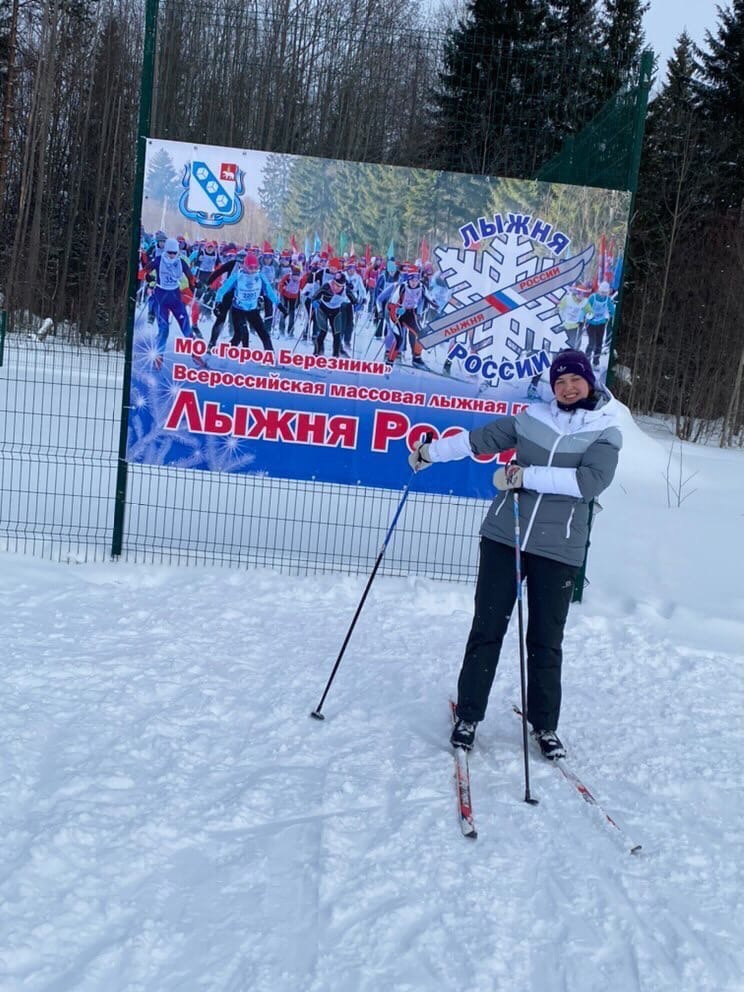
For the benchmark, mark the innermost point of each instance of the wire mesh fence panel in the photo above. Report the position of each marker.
(183, 516)
(602, 153)
(60, 422)
(60, 416)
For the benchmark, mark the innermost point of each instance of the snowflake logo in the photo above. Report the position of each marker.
(472, 275)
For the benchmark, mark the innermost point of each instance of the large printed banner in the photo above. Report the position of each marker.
(312, 319)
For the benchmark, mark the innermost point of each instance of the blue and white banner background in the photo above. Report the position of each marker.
(508, 251)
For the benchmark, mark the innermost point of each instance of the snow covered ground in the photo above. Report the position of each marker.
(173, 820)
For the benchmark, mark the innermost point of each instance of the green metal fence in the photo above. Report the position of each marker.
(607, 151)
(68, 493)
(60, 409)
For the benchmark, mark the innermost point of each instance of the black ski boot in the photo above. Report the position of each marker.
(463, 735)
(550, 744)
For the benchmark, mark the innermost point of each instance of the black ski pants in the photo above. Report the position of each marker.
(241, 319)
(221, 313)
(328, 319)
(549, 589)
(596, 339)
(289, 318)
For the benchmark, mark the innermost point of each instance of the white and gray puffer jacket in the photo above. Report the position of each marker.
(569, 458)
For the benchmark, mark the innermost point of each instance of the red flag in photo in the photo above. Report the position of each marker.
(424, 252)
(293, 243)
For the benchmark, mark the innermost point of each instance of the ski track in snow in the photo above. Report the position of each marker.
(172, 820)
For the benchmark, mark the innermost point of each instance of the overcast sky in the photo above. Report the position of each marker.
(667, 19)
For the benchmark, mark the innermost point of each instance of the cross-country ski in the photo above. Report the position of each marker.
(587, 796)
(462, 787)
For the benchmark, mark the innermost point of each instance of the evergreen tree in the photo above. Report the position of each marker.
(358, 211)
(675, 184)
(573, 23)
(672, 156)
(345, 228)
(622, 39)
(311, 203)
(490, 105)
(274, 189)
(380, 205)
(521, 76)
(722, 99)
(575, 30)
(161, 182)
(438, 204)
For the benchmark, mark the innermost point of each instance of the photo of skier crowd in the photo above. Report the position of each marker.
(413, 328)
(283, 293)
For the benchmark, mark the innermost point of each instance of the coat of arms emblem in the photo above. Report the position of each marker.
(211, 192)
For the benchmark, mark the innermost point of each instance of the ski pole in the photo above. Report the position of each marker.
(299, 331)
(406, 489)
(522, 667)
(369, 345)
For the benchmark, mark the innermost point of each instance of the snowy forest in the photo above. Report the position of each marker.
(481, 87)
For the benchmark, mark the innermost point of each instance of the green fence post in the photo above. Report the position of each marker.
(143, 131)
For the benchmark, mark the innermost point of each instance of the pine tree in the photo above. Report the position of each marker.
(161, 182)
(672, 155)
(438, 204)
(490, 105)
(311, 204)
(356, 210)
(722, 99)
(573, 23)
(622, 39)
(674, 184)
(575, 29)
(274, 188)
(381, 203)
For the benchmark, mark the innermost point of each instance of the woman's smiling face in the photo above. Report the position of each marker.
(570, 388)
